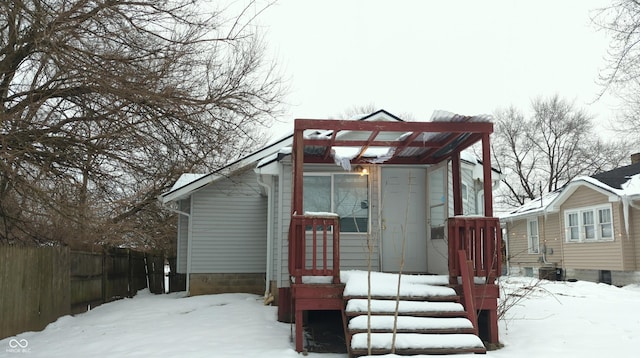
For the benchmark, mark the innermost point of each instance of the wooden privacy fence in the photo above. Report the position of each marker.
(34, 287)
(40, 284)
(103, 277)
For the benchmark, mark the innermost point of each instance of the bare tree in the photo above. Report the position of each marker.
(621, 74)
(358, 111)
(544, 152)
(105, 103)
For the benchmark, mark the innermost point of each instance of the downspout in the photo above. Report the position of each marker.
(268, 296)
(280, 220)
(189, 248)
(176, 210)
(505, 237)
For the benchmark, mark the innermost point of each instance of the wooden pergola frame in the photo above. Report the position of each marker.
(453, 137)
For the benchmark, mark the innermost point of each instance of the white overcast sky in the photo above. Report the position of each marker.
(467, 57)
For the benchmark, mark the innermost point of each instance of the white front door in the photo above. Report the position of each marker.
(404, 242)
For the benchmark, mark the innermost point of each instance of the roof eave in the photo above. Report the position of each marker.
(187, 189)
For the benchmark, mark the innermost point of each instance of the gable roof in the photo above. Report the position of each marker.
(413, 143)
(616, 177)
(183, 187)
(535, 206)
(621, 183)
(190, 182)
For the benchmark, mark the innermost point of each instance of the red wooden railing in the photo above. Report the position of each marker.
(314, 246)
(481, 239)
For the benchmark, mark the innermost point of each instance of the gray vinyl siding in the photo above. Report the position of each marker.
(353, 246)
(285, 218)
(183, 235)
(229, 226)
(602, 255)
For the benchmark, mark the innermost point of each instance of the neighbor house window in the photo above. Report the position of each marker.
(465, 199)
(344, 194)
(605, 229)
(589, 224)
(533, 237)
(468, 195)
(573, 230)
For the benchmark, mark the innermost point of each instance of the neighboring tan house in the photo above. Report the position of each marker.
(587, 230)
(380, 176)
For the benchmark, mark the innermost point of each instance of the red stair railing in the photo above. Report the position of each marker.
(314, 246)
(481, 240)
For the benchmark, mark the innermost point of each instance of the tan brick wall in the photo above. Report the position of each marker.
(212, 283)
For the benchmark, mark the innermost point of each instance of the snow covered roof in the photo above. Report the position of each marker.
(183, 186)
(619, 184)
(422, 142)
(616, 177)
(185, 179)
(536, 206)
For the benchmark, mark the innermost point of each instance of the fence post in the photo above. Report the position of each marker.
(104, 276)
(129, 274)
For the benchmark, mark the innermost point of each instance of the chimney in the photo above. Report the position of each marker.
(635, 158)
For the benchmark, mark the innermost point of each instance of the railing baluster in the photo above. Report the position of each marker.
(315, 246)
(324, 246)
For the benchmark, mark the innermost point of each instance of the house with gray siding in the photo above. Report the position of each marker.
(587, 230)
(233, 224)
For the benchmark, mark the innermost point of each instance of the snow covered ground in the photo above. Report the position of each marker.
(553, 319)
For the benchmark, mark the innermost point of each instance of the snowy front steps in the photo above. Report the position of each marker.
(407, 324)
(422, 327)
(416, 343)
(414, 308)
(429, 319)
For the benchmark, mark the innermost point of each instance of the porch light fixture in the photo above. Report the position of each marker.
(361, 170)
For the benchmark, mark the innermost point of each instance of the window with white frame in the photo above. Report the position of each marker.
(589, 224)
(344, 194)
(468, 195)
(605, 227)
(533, 237)
(465, 199)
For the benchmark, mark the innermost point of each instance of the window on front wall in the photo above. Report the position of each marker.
(533, 237)
(573, 230)
(344, 194)
(589, 224)
(605, 228)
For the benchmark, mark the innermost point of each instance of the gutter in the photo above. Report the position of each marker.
(175, 210)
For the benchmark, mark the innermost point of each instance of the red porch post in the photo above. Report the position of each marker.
(486, 170)
(457, 184)
(297, 192)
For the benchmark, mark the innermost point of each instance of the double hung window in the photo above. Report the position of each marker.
(589, 224)
(344, 194)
